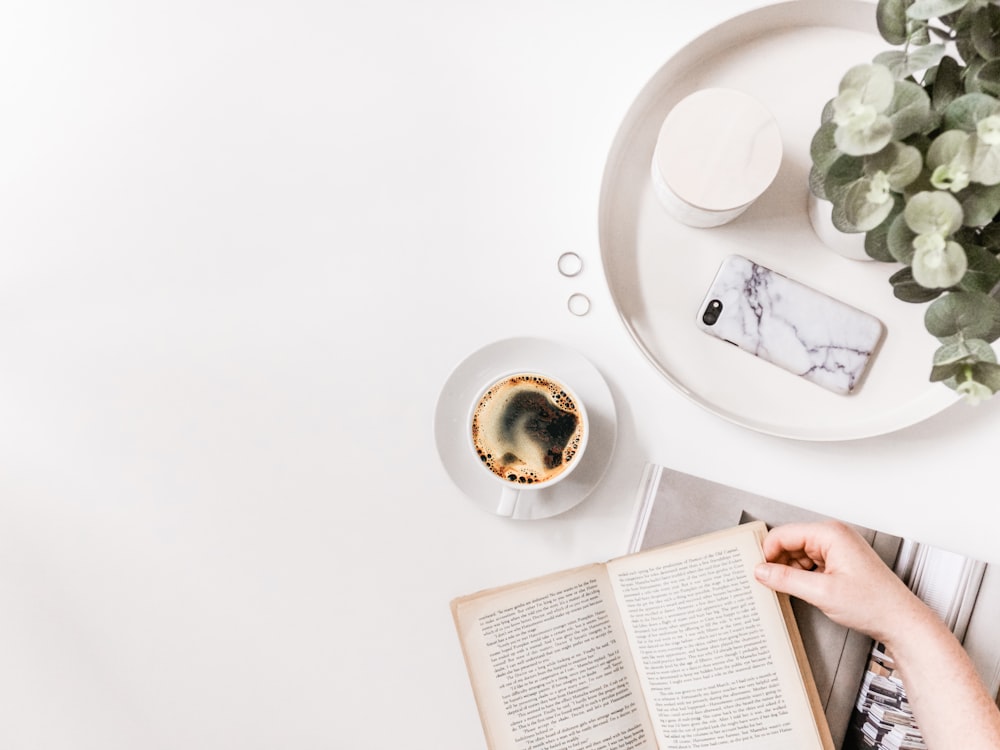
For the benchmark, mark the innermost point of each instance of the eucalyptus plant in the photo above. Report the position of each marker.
(908, 152)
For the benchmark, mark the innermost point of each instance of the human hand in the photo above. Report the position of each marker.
(833, 568)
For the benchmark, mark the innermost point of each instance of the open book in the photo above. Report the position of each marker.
(673, 647)
(864, 701)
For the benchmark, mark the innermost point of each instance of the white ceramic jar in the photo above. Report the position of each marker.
(717, 151)
(849, 244)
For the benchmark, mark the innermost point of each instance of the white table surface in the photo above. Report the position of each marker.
(242, 246)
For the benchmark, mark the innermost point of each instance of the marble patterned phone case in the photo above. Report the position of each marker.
(791, 325)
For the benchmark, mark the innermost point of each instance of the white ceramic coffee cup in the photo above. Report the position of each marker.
(512, 492)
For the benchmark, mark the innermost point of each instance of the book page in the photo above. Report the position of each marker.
(711, 646)
(673, 506)
(550, 667)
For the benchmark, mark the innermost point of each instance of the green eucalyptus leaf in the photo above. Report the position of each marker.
(983, 272)
(979, 350)
(923, 181)
(968, 236)
(961, 32)
(970, 390)
(983, 160)
(822, 148)
(923, 57)
(858, 141)
(948, 370)
(950, 339)
(896, 61)
(933, 212)
(980, 204)
(921, 32)
(919, 140)
(964, 350)
(988, 374)
(906, 289)
(988, 236)
(956, 356)
(827, 114)
(974, 315)
(876, 242)
(910, 111)
(986, 32)
(860, 211)
(926, 9)
(987, 77)
(890, 16)
(866, 91)
(967, 53)
(899, 240)
(816, 180)
(946, 147)
(927, 79)
(984, 375)
(877, 239)
(982, 350)
(874, 84)
(843, 173)
(900, 163)
(838, 216)
(948, 84)
(908, 95)
(971, 77)
(961, 22)
(967, 110)
(938, 263)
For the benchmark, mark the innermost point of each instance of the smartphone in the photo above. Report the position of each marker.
(789, 324)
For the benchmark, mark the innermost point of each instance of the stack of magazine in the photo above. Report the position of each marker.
(864, 701)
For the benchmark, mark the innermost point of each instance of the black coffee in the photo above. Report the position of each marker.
(527, 429)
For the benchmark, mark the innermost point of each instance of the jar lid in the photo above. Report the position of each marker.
(718, 149)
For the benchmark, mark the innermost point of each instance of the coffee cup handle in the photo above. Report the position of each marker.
(508, 501)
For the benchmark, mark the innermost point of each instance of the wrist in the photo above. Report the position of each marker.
(909, 627)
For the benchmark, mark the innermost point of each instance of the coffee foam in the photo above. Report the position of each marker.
(527, 429)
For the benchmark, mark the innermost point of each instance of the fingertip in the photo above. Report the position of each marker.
(762, 572)
(782, 539)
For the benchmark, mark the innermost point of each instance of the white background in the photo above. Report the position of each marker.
(242, 246)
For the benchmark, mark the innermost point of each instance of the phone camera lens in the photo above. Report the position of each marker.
(711, 314)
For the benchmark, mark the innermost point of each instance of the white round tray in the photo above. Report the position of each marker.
(790, 56)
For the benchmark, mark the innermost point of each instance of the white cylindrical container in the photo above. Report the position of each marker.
(718, 150)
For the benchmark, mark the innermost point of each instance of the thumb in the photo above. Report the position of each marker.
(802, 584)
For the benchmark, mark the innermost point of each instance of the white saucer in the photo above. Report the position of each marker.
(539, 355)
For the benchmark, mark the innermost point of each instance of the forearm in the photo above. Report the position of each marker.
(952, 707)
(833, 568)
